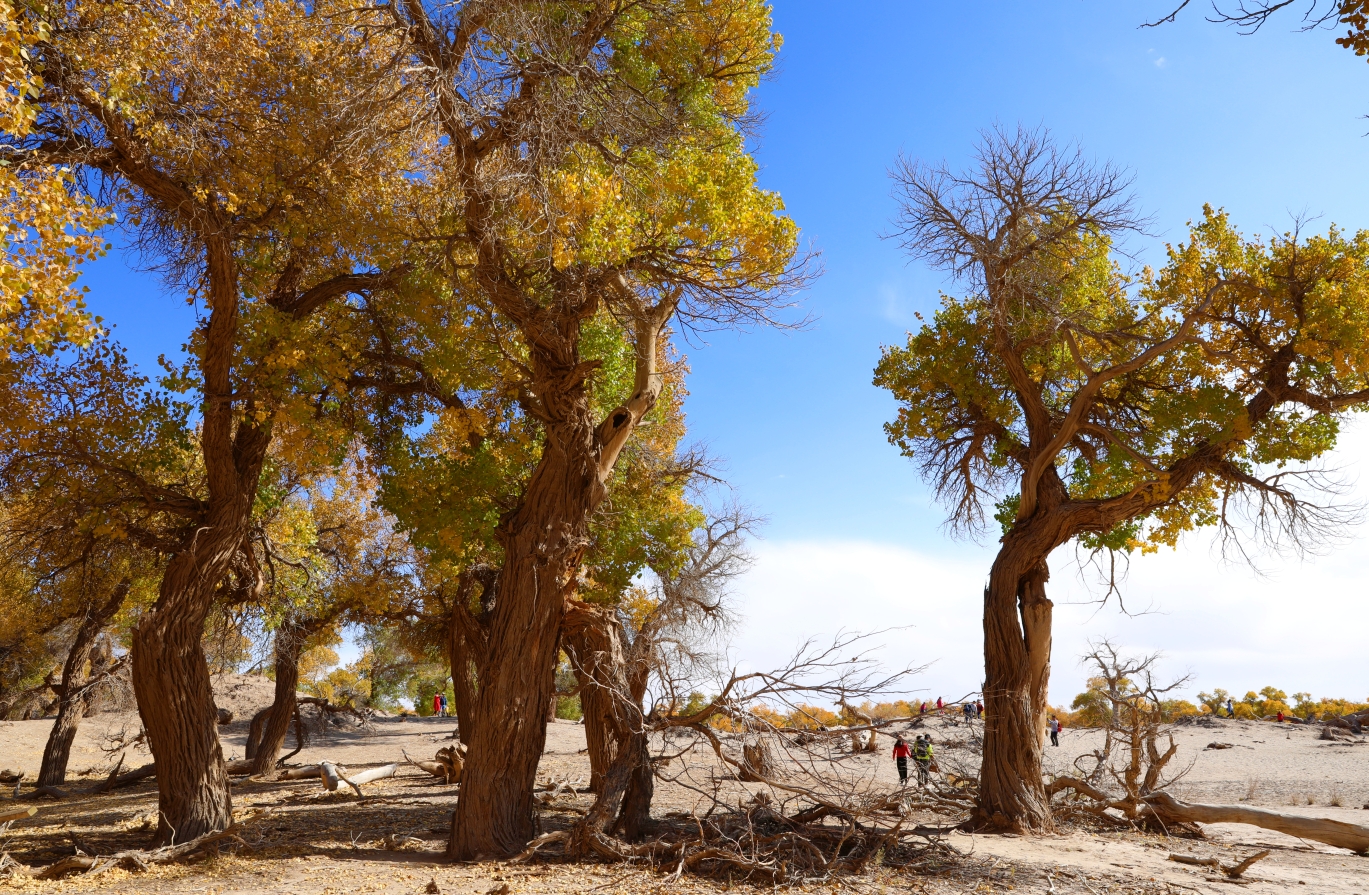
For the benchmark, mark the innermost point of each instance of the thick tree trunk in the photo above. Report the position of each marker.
(1017, 646)
(249, 749)
(175, 699)
(600, 739)
(289, 644)
(71, 706)
(467, 641)
(542, 542)
(594, 643)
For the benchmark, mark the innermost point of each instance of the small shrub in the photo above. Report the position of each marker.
(569, 709)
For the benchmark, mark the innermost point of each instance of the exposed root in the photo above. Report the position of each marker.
(1232, 871)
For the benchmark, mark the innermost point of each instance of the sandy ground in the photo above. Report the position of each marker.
(305, 840)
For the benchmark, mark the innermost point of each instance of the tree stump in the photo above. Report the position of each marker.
(758, 762)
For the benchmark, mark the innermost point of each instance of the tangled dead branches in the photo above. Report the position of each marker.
(759, 841)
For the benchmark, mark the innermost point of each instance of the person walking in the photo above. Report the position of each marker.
(901, 755)
(922, 754)
(968, 711)
(978, 709)
(437, 703)
(1053, 725)
(923, 709)
(1230, 709)
(938, 705)
(444, 705)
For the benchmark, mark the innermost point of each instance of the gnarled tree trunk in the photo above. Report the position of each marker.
(75, 693)
(1017, 647)
(614, 726)
(289, 644)
(543, 540)
(175, 699)
(610, 696)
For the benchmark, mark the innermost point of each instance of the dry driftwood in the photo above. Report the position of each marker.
(333, 774)
(17, 814)
(1232, 871)
(450, 760)
(8, 776)
(304, 773)
(1331, 832)
(1170, 810)
(134, 859)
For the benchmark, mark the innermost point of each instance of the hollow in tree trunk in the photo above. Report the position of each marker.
(289, 644)
(75, 694)
(1017, 647)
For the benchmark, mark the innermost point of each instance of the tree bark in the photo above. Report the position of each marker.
(289, 644)
(611, 700)
(543, 539)
(1017, 645)
(75, 693)
(170, 677)
(593, 641)
(467, 640)
(249, 749)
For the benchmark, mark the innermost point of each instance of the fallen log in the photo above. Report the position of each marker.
(55, 792)
(8, 776)
(133, 776)
(380, 773)
(1331, 832)
(331, 775)
(304, 773)
(1232, 871)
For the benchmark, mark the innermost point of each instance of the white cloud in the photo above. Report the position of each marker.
(1297, 624)
(1300, 626)
(1161, 62)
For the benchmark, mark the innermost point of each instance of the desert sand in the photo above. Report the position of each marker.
(304, 840)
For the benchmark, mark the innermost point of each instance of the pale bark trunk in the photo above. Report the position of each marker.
(289, 644)
(1331, 832)
(75, 694)
(1017, 643)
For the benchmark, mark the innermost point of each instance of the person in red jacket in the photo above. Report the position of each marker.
(901, 756)
(938, 705)
(437, 703)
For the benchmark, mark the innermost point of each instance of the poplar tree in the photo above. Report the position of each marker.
(1077, 404)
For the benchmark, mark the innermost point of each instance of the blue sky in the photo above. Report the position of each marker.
(1268, 126)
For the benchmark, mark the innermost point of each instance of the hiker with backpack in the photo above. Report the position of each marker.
(922, 754)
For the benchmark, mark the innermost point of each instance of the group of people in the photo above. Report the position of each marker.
(440, 704)
(921, 749)
(920, 752)
(972, 710)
